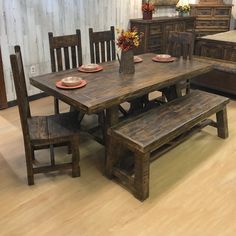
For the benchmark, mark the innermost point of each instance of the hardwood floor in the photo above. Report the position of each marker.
(192, 189)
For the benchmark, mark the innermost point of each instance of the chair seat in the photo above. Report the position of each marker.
(54, 128)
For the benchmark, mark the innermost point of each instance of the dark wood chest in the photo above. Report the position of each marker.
(157, 30)
(211, 18)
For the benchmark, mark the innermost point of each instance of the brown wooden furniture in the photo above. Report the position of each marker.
(108, 88)
(211, 17)
(181, 44)
(163, 2)
(65, 53)
(102, 45)
(3, 96)
(42, 132)
(220, 80)
(219, 46)
(209, 2)
(102, 49)
(156, 31)
(146, 135)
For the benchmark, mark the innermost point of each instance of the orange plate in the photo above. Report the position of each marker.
(158, 59)
(99, 68)
(61, 86)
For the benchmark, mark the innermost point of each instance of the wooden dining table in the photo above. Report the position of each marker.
(108, 88)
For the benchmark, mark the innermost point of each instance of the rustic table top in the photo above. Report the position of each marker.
(108, 87)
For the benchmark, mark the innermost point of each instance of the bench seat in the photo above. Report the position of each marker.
(149, 131)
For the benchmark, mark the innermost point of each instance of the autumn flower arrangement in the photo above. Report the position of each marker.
(183, 8)
(128, 39)
(148, 7)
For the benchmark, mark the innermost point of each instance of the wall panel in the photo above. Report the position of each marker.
(27, 23)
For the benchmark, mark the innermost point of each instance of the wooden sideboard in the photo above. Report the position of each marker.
(219, 46)
(157, 30)
(222, 47)
(211, 18)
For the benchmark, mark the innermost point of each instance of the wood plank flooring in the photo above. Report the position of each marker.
(192, 189)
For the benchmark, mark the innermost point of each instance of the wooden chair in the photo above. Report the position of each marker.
(181, 44)
(65, 53)
(102, 45)
(102, 48)
(42, 132)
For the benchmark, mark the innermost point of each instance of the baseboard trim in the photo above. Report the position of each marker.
(31, 98)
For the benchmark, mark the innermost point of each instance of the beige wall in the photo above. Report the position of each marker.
(27, 23)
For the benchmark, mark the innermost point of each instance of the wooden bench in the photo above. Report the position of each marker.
(152, 133)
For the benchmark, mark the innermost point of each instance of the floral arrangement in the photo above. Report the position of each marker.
(128, 39)
(148, 7)
(183, 8)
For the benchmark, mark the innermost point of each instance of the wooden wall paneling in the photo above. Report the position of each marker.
(27, 23)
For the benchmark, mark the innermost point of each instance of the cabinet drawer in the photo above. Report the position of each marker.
(212, 23)
(222, 12)
(204, 12)
(155, 29)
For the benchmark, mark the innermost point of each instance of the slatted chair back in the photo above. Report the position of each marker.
(181, 44)
(102, 45)
(21, 90)
(65, 51)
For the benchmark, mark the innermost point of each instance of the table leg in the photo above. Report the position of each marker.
(172, 92)
(112, 118)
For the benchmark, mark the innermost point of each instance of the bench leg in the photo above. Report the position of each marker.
(75, 157)
(141, 175)
(222, 124)
(114, 153)
(110, 156)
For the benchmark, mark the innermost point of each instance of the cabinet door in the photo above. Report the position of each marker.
(211, 50)
(155, 39)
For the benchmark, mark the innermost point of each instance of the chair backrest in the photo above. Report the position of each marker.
(65, 51)
(21, 90)
(181, 44)
(102, 45)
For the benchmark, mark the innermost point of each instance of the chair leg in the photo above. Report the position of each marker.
(29, 156)
(75, 157)
(56, 106)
